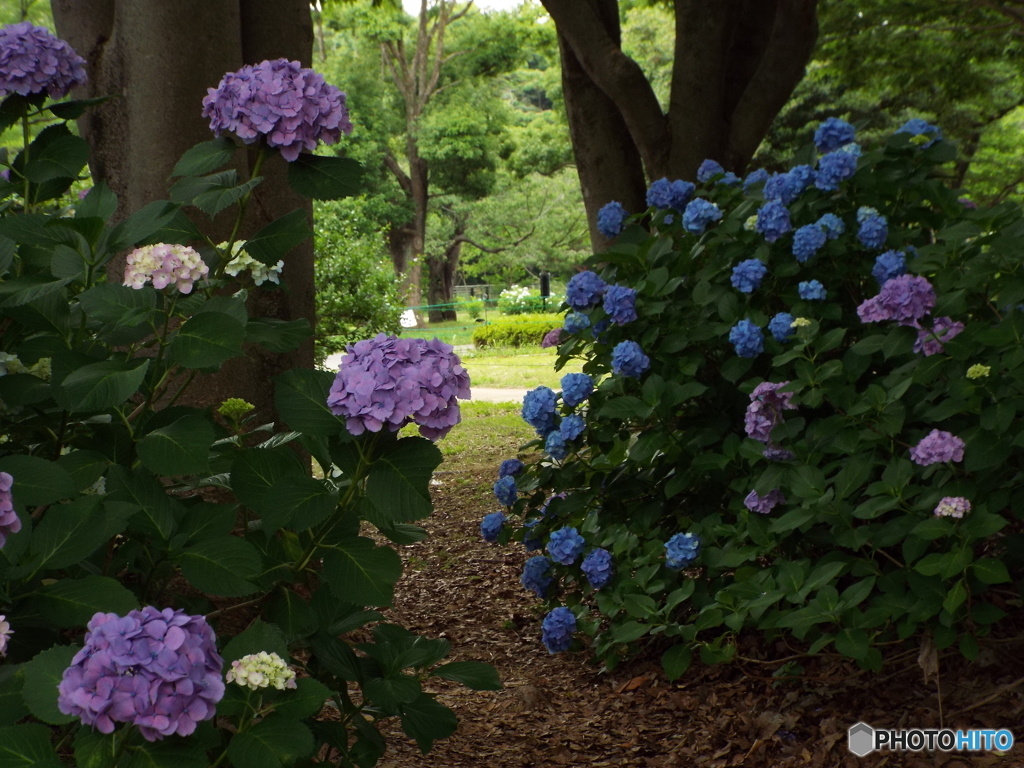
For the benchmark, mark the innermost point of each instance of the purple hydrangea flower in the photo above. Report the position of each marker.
(620, 304)
(572, 426)
(629, 360)
(874, 229)
(930, 341)
(565, 545)
(807, 241)
(747, 338)
(290, 107)
(775, 453)
(491, 526)
(773, 220)
(832, 225)
(937, 447)
(395, 381)
(9, 520)
(5, 635)
(781, 326)
(555, 445)
(915, 126)
(510, 468)
(584, 290)
(747, 275)
(698, 214)
(764, 504)
(906, 298)
(576, 387)
(610, 219)
(576, 322)
(537, 575)
(539, 409)
(836, 167)
(557, 629)
(505, 491)
(950, 506)
(158, 670)
(681, 550)
(597, 567)
(708, 170)
(755, 177)
(889, 265)
(551, 339)
(32, 60)
(765, 410)
(833, 133)
(811, 290)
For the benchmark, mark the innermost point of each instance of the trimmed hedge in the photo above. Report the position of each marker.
(518, 331)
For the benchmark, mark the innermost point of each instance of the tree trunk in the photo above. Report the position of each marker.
(441, 287)
(160, 58)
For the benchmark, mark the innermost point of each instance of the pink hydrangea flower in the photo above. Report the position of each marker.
(164, 265)
(765, 410)
(945, 328)
(906, 298)
(938, 447)
(953, 506)
(9, 520)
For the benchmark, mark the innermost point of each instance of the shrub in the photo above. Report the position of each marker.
(523, 331)
(522, 301)
(822, 444)
(474, 308)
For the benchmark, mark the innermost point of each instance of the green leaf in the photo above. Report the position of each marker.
(178, 229)
(67, 534)
(853, 643)
(933, 528)
(336, 657)
(102, 385)
(118, 305)
(298, 504)
(20, 291)
(62, 158)
(37, 481)
(676, 660)
(306, 700)
(426, 721)
(271, 743)
(12, 704)
(208, 520)
(42, 676)
(142, 224)
(289, 611)
(72, 602)
(222, 566)
(27, 746)
(358, 571)
(625, 407)
(206, 157)
(392, 691)
(207, 340)
(956, 597)
(629, 631)
(169, 753)
(300, 397)
(217, 198)
(157, 511)
(325, 178)
(72, 109)
(274, 241)
(259, 636)
(277, 335)
(472, 674)
(989, 570)
(398, 484)
(181, 448)
(100, 202)
(255, 471)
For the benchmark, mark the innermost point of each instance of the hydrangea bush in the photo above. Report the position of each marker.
(809, 427)
(176, 588)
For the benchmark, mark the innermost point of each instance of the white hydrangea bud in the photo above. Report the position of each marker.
(261, 670)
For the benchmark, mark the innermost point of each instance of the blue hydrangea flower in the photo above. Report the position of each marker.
(833, 133)
(747, 275)
(915, 126)
(681, 550)
(531, 540)
(537, 575)
(755, 177)
(780, 187)
(836, 167)
(576, 322)
(781, 326)
(874, 228)
(584, 290)
(773, 220)
(832, 225)
(729, 179)
(555, 445)
(557, 629)
(708, 170)
(610, 219)
(597, 567)
(620, 304)
(812, 290)
(659, 194)
(801, 177)
(629, 360)
(576, 387)
(889, 265)
(747, 338)
(505, 490)
(600, 327)
(572, 426)
(682, 191)
(492, 525)
(565, 545)
(539, 409)
(698, 214)
(510, 468)
(807, 240)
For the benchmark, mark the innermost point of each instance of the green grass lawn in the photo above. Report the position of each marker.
(515, 368)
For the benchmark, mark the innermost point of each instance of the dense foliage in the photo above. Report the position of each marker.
(518, 331)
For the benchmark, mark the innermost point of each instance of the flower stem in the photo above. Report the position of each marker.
(125, 738)
(242, 205)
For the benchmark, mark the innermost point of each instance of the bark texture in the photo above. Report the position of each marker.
(159, 58)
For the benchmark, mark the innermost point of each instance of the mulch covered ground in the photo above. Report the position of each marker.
(560, 710)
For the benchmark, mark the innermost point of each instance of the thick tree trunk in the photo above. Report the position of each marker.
(441, 286)
(159, 58)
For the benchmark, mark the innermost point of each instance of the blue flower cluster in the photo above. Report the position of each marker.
(698, 214)
(915, 126)
(874, 229)
(755, 177)
(833, 133)
(576, 322)
(832, 225)
(537, 575)
(629, 360)
(576, 387)
(600, 327)
(786, 187)
(555, 445)
(781, 326)
(572, 426)
(773, 220)
(807, 240)
(597, 567)
(708, 170)
(510, 467)
(729, 179)
(539, 409)
(505, 490)
(681, 550)
(836, 167)
(565, 545)
(584, 290)
(531, 540)
(491, 526)
(611, 218)
(812, 290)
(620, 304)
(747, 338)
(665, 194)
(557, 629)
(747, 275)
(889, 265)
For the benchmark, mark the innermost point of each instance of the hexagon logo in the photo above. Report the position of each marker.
(861, 739)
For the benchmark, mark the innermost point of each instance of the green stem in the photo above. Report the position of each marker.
(242, 205)
(126, 737)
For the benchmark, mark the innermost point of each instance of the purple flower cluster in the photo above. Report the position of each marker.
(681, 550)
(775, 453)
(551, 339)
(557, 629)
(576, 322)
(811, 290)
(584, 290)
(807, 241)
(290, 106)
(833, 133)
(597, 567)
(665, 194)
(32, 61)
(396, 381)
(889, 265)
(491, 526)
(953, 506)
(620, 304)
(576, 387)
(773, 220)
(906, 298)
(708, 170)
(510, 468)
(539, 409)
(747, 338)
(764, 504)
(159, 670)
(9, 520)
(765, 410)
(832, 225)
(915, 126)
(747, 275)
(565, 545)
(555, 445)
(781, 326)
(629, 360)
(874, 228)
(572, 426)
(698, 214)
(610, 219)
(537, 575)
(937, 447)
(930, 341)
(505, 490)
(836, 167)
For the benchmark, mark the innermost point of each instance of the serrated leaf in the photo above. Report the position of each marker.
(277, 335)
(37, 481)
(42, 676)
(676, 660)
(275, 240)
(100, 202)
(62, 158)
(72, 602)
(271, 743)
(325, 178)
(67, 534)
(222, 566)
(306, 700)
(298, 504)
(258, 636)
(988, 570)
(358, 571)
(181, 448)
(207, 340)
(426, 721)
(853, 643)
(27, 746)
(255, 471)
(289, 611)
(142, 224)
(118, 304)
(300, 397)
(206, 157)
(398, 484)
(213, 201)
(472, 674)
(101, 385)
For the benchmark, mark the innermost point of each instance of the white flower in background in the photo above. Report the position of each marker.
(241, 261)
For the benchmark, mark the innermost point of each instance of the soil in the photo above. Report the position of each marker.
(560, 710)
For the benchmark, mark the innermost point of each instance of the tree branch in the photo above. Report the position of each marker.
(400, 175)
(485, 249)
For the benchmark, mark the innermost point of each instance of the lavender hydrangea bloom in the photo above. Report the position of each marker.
(807, 240)
(539, 409)
(930, 341)
(747, 338)
(576, 387)
(290, 107)
(781, 326)
(937, 447)
(5, 635)
(158, 670)
(584, 290)
(555, 445)
(557, 629)
(32, 60)
(950, 506)
(764, 504)
(505, 491)
(510, 468)
(491, 526)
(629, 360)
(811, 290)
(708, 170)
(395, 381)
(164, 264)
(576, 322)
(537, 575)
(765, 410)
(552, 338)
(565, 545)
(773, 220)
(832, 225)
(610, 219)
(572, 426)
(9, 520)
(833, 133)
(620, 304)
(597, 567)
(836, 167)
(698, 214)
(681, 550)
(775, 453)
(755, 177)
(874, 229)
(889, 265)
(915, 126)
(747, 275)
(906, 299)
